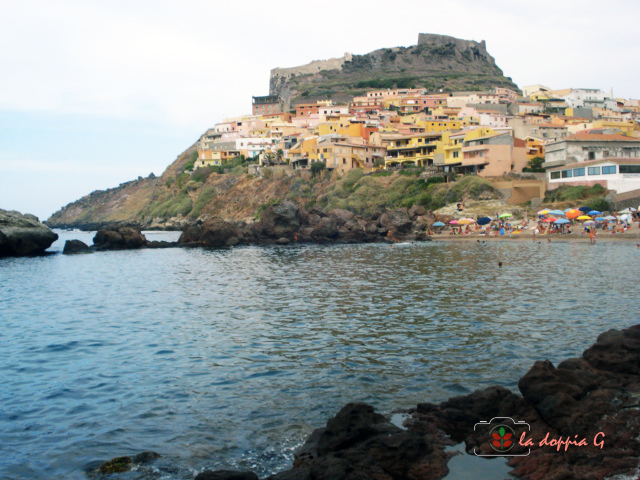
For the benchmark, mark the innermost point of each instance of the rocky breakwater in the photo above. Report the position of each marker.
(115, 238)
(583, 421)
(288, 223)
(23, 234)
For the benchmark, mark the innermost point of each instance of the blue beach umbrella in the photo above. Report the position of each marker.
(594, 212)
(561, 221)
(555, 212)
(484, 220)
(584, 209)
(600, 219)
(438, 224)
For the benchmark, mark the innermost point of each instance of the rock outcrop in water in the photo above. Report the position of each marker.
(287, 223)
(23, 234)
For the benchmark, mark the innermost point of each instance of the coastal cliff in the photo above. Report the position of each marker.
(436, 62)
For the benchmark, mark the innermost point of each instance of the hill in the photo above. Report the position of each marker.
(437, 62)
(177, 198)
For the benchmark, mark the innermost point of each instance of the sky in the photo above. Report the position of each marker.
(94, 93)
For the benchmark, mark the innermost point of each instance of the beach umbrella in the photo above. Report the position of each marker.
(561, 221)
(584, 217)
(505, 215)
(633, 209)
(609, 217)
(584, 209)
(484, 220)
(464, 221)
(594, 212)
(543, 212)
(589, 223)
(556, 212)
(453, 222)
(573, 213)
(600, 219)
(567, 209)
(626, 210)
(438, 224)
(549, 220)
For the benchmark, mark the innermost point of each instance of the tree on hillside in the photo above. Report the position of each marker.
(317, 167)
(279, 155)
(268, 158)
(535, 164)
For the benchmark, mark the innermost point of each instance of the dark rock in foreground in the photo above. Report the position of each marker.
(595, 398)
(23, 234)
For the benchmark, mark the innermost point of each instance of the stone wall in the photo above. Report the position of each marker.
(313, 67)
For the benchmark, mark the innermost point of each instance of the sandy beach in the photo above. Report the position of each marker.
(527, 235)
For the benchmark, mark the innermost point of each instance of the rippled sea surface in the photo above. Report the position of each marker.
(230, 358)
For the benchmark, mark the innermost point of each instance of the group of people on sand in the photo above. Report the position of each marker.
(500, 226)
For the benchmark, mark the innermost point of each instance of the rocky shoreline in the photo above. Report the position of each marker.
(281, 224)
(583, 418)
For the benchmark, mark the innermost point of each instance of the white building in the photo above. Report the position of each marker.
(590, 98)
(617, 174)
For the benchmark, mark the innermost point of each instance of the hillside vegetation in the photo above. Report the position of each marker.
(180, 197)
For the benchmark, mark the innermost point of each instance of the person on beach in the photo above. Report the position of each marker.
(592, 236)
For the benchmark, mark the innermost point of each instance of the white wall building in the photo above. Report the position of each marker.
(619, 175)
(590, 98)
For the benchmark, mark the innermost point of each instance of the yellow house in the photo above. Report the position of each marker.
(208, 158)
(453, 150)
(619, 124)
(415, 150)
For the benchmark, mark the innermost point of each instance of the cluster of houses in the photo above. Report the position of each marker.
(580, 136)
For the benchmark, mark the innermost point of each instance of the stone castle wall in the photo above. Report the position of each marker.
(313, 67)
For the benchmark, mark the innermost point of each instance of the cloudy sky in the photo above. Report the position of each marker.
(98, 92)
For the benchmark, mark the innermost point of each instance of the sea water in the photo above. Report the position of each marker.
(229, 358)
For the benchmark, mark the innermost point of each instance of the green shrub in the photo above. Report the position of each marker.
(599, 204)
(192, 186)
(352, 177)
(204, 198)
(201, 174)
(411, 171)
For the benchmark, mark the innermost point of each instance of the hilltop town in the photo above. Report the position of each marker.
(524, 143)
(574, 136)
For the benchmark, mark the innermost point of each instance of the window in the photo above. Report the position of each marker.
(578, 172)
(592, 155)
(555, 175)
(455, 154)
(609, 170)
(566, 173)
(594, 171)
(629, 168)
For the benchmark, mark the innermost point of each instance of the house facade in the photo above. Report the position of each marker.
(583, 147)
(618, 174)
